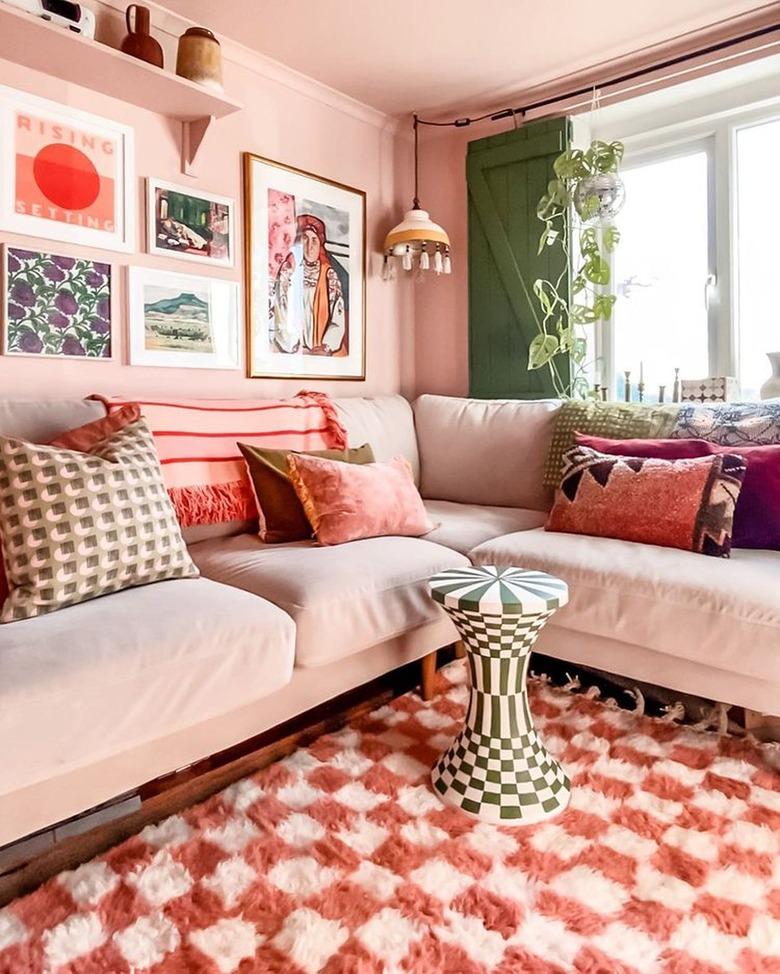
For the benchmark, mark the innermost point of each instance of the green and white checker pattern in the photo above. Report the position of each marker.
(497, 769)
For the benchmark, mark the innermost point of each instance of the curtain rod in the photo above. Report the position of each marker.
(620, 80)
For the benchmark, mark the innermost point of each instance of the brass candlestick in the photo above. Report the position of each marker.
(661, 393)
(627, 375)
(676, 386)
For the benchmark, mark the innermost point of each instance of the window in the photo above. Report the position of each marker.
(757, 252)
(663, 272)
(698, 258)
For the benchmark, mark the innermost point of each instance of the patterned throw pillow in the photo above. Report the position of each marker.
(686, 504)
(729, 423)
(75, 526)
(619, 421)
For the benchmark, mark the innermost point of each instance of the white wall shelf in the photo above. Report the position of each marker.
(37, 44)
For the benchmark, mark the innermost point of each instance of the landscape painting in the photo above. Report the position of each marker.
(306, 259)
(56, 306)
(178, 321)
(181, 321)
(188, 224)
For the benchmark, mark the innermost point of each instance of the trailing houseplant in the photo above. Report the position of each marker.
(577, 211)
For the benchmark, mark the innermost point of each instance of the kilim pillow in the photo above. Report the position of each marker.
(686, 504)
(75, 526)
(619, 421)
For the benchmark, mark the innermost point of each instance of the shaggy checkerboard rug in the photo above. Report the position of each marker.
(340, 859)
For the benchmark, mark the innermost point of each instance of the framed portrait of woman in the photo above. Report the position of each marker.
(305, 240)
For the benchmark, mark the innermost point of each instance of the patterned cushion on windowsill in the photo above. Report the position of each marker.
(76, 526)
(687, 504)
(729, 423)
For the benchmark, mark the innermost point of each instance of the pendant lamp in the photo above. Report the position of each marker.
(417, 243)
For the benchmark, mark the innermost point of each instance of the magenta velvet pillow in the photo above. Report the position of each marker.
(345, 502)
(757, 515)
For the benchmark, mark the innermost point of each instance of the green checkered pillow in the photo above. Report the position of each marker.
(617, 421)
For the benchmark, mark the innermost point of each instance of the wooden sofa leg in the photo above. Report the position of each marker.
(460, 649)
(428, 675)
(762, 726)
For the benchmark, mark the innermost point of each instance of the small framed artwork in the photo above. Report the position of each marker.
(306, 273)
(56, 306)
(183, 322)
(189, 224)
(65, 174)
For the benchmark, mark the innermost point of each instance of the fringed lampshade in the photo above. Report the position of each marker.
(417, 242)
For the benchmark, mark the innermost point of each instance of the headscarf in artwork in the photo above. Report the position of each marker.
(321, 309)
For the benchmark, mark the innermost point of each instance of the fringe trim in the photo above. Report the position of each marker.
(337, 433)
(213, 503)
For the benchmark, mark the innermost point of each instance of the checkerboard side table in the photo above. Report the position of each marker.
(497, 769)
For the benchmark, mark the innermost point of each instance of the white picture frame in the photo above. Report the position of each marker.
(182, 321)
(183, 236)
(38, 138)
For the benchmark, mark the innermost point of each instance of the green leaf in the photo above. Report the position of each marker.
(569, 164)
(578, 284)
(542, 296)
(565, 337)
(603, 305)
(611, 237)
(588, 242)
(580, 387)
(596, 270)
(579, 350)
(582, 314)
(541, 350)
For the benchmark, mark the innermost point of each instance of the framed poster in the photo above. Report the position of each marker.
(65, 174)
(56, 306)
(189, 224)
(306, 274)
(182, 322)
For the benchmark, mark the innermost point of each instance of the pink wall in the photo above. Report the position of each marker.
(441, 304)
(285, 119)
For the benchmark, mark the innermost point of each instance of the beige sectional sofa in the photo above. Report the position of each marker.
(98, 698)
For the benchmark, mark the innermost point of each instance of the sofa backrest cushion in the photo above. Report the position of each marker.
(485, 451)
(384, 422)
(40, 421)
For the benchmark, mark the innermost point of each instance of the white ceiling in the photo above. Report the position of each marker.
(447, 55)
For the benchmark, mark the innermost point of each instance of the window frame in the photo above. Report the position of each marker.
(718, 134)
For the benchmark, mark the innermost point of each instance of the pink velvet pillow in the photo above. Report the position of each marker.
(345, 501)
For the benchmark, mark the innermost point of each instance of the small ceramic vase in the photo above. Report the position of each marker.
(771, 388)
(139, 42)
(200, 58)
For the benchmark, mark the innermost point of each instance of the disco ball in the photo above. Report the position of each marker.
(608, 189)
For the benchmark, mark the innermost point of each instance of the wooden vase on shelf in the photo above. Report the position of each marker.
(139, 41)
(199, 58)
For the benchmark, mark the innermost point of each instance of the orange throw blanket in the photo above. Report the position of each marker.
(196, 439)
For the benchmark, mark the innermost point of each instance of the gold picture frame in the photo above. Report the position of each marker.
(305, 274)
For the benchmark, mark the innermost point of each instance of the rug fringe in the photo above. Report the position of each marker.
(639, 701)
(674, 713)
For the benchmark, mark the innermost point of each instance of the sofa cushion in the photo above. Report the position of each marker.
(724, 613)
(40, 420)
(464, 526)
(105, 676)
(479, 451)
(343, 598)
(385, 422)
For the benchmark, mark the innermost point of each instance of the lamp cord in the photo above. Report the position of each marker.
(416, 200)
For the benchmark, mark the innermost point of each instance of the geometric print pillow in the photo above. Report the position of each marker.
(75, 526)
(687, 504)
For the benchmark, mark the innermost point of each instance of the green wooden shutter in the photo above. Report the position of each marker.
(506, 175)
